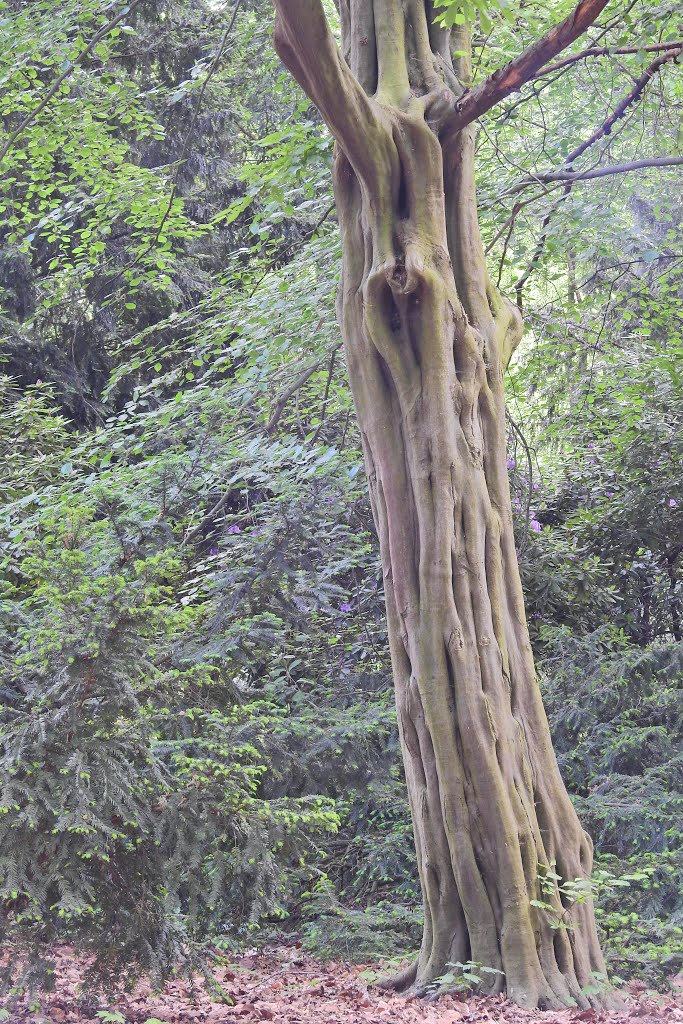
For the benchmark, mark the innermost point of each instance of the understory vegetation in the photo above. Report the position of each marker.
(198, 740)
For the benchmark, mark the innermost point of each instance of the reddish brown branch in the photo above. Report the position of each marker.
(605, 51)
(522, 69)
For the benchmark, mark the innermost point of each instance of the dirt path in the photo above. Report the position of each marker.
(287, 986)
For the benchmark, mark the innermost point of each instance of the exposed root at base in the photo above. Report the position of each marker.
(405, 983)
(603, 1002)
(607, 1000)
(400, 982)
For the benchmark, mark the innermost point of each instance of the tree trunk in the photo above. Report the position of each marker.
(427, 338)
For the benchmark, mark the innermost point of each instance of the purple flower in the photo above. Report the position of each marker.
(213, 550)
(673, 503)
(535, 525)
(234, 529)
(511, 463)
(345, 607)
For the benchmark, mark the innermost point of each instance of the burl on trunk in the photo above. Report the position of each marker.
(427, 337)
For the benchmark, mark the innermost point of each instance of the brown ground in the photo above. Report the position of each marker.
(287, 986)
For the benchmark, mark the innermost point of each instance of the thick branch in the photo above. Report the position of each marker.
(306, 46)
(605, 51)
(523, 68)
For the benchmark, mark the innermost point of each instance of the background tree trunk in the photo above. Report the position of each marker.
(427, 338)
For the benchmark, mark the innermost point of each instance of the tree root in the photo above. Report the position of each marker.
(405, 982)
(400, 982)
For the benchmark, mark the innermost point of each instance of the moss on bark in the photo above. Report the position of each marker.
(427, 338)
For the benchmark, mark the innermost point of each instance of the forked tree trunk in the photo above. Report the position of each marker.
(427, 338)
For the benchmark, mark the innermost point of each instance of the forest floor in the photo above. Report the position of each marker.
(287, 986)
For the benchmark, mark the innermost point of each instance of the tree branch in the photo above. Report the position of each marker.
(600, 172)
(287, 248)
(323, 408)
(279, 406)
(306, 46)
(540, 246)
(522, 69)
(604, 129)
(517, 431)
(213, 67)
(605, 51)
(632, 97)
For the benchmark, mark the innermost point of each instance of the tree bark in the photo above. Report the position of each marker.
(427, 337)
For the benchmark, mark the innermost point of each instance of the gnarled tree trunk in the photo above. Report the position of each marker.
(427, 338)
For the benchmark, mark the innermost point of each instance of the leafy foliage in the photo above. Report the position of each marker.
(197, 735)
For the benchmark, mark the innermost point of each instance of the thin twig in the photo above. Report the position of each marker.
(294, 387)
(540, 245)
(605, 51)
(291, 245)
(632, 97)
(323, 408)
(213, 67)
(518, 432)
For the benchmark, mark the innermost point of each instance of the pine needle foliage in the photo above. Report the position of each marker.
(130, 782)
